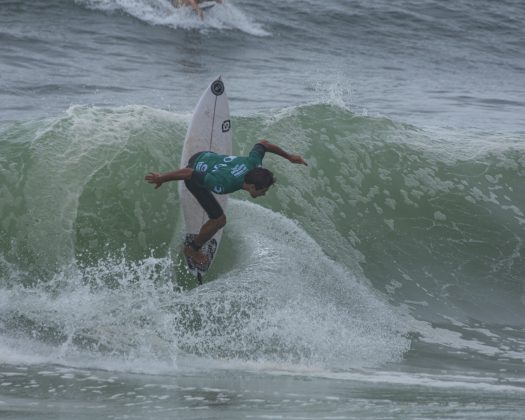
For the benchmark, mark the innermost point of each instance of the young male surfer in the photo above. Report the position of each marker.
(209, 172)
(194, 4)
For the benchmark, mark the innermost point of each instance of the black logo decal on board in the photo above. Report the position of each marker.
(226, 125)
(217, 88)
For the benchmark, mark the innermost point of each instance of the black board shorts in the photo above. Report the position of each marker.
(204, 196)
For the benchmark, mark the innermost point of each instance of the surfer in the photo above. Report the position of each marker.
(209, 172)
(194, 4)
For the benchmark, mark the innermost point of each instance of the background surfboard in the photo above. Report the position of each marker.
(209, 129)
(204, 5)
(207, 4)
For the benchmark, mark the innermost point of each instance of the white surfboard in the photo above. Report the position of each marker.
(207, 5)
(209, 129)
(204, 5)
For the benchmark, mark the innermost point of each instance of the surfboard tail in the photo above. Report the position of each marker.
(208, 249)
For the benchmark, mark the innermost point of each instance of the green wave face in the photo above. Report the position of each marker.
(385, 216)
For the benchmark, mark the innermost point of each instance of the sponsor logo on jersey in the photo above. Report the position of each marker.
(217, 166)
(201, 167)
(239, 170)
(219, 189)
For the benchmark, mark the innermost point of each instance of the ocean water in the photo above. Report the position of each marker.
(385, 280)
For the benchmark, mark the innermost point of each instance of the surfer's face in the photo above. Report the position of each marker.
(257, 193)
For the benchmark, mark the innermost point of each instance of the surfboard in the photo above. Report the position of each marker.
(207, 5)
(209, 129)
(203, 5)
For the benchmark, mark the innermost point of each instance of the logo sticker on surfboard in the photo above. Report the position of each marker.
(226, 125)
(217, 88)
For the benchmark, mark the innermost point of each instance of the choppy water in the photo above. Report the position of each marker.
(386, 280)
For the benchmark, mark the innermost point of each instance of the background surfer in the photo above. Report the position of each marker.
(209, 172)
(193, 4)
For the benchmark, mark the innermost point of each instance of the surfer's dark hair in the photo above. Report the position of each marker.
(260, 177)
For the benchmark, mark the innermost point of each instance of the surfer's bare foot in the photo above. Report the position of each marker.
(196, 256)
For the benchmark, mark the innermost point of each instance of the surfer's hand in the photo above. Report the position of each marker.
(154, 178)
(297, 159)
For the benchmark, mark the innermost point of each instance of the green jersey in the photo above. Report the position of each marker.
(225, 174)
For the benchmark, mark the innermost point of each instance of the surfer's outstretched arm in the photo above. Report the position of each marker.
(273, 148)
(178, 175)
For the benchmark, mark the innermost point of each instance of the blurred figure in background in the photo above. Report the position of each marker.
(194, 4)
